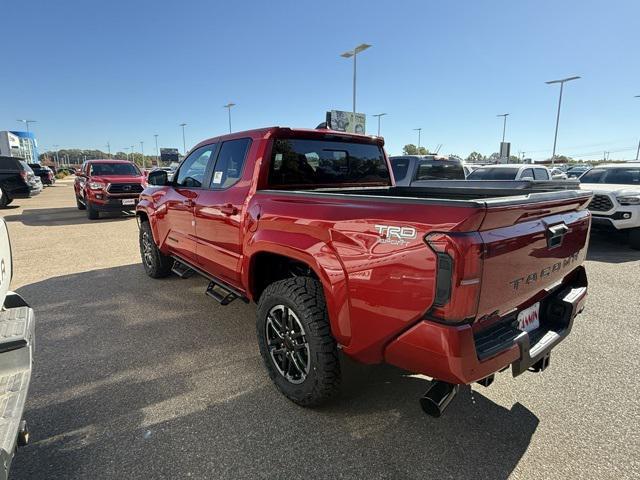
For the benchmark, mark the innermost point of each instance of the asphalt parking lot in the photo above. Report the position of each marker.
(139, 378)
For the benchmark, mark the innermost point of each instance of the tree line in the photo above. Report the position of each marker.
(75, 156)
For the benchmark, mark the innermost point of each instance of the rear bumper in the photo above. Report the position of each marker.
(454, 354)
(17, 342)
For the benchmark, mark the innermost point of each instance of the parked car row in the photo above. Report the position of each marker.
(17, 180)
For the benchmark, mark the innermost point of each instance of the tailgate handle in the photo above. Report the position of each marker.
(555, 235)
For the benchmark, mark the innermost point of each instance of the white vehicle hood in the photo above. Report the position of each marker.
(611, 188)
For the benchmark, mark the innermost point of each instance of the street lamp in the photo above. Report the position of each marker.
(419, 130)
(27, 122)
(157, 151)
(354, 53)
(184, 144)
(504, 125)
(638, 150)
(379, 115)
(109, 149)
(125, 149)
(142, 150)
(562, 81)
(228, 107)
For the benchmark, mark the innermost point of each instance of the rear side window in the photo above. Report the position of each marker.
(527, 173)
(400, 168)
(230, 162)
(192, 170)
(493, 174)
(540, 174)
(327, 163)
(439, 170)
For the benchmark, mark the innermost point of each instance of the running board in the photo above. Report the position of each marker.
(217, 289)
(220, 293)
(182, 270)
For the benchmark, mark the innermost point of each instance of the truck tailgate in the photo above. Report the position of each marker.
(529, 247)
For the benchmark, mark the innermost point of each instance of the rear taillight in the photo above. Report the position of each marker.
(458, 275)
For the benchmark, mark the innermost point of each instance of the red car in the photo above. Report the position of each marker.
(108, 186)
(455, 281)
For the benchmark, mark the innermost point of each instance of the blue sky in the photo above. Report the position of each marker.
(120, 71)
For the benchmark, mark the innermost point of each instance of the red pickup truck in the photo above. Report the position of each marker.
(456, 281)
(108, 186)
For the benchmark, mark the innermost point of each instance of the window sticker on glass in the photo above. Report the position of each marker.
(277, 161)
(217, 177)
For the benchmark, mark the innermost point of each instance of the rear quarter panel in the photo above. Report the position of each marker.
(375, 287)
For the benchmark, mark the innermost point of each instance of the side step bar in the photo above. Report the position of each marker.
(221, 292)
(182, 270)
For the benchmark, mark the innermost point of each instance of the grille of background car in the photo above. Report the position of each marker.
(125, 188)
(601, 203)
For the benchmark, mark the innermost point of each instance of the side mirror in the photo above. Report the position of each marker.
(158, 178)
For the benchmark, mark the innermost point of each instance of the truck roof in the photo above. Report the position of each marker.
(267, 132)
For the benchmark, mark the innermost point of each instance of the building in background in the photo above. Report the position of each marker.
(19, 144)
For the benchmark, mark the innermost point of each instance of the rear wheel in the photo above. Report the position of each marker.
(156, 264)
(295, 341)
(634, 238)
(92, 213)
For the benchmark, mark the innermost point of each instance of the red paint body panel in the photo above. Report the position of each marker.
(378, 294)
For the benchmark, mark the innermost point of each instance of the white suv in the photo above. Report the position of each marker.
(616, 198)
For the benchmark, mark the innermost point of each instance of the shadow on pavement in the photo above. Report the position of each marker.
(63, 216)
(611, 247)
(142, 378)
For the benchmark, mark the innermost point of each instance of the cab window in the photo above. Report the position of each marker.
(230, 161)
(540, 174)
(192, 171)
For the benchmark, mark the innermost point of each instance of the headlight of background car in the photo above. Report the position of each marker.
(629, 199)
(96, 185)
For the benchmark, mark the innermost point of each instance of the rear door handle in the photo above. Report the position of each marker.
(229, 209)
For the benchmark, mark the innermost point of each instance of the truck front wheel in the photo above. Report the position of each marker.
(156, 264)
(298, 350)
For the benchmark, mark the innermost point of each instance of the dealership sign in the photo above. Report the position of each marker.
(346, 121)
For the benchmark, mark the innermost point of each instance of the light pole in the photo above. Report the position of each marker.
(128, 156)
(109, 149)
(562, 81)
(228, 107)
(638, 150)
(133, 157)
(142, 150)
(379, 115)
(157, 152)
(419, 130)
(27, 122)
(504, 125)
(184, 143)
(354, 53)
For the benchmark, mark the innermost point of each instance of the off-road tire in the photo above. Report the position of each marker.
(81, 206)
(156, 264)
(305, 298)
(634, 238)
